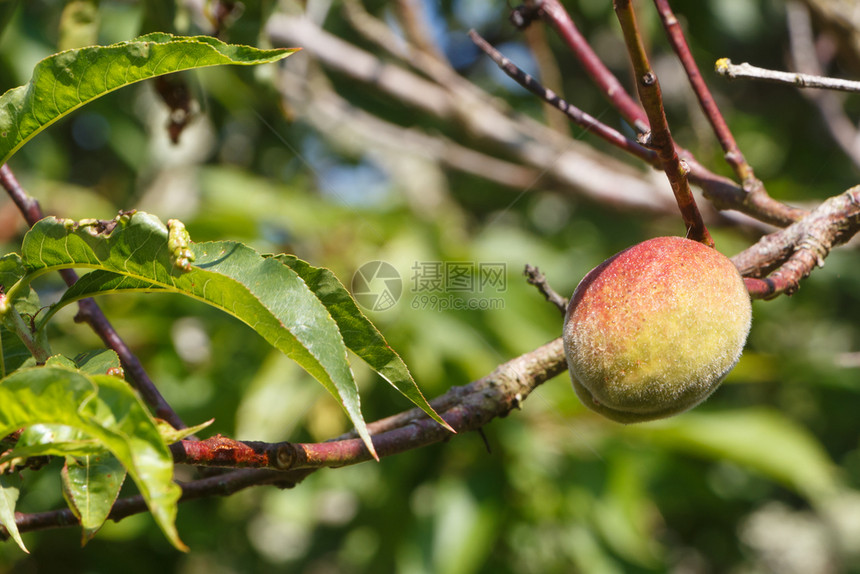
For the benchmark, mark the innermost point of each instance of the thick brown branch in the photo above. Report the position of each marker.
(468, 407)
(725, 194)
(471, 407)
(796, 250)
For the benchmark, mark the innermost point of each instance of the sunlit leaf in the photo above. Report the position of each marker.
(133, 253)
(42, 439)
(97, 362)
(91, 484)
(359, 334)
(66, 81)
(10, 488)
(105, 409)
(172, 435)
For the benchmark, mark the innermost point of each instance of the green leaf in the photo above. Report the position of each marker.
(44, 439)
(91, 485)
(260, 291)
(105, 409)
(98, 362)
(359, 334)
(64, 82)
(172, 435)
(15, 351)
(11, 270)
(60, 361)
(763, 440)
(10, 488)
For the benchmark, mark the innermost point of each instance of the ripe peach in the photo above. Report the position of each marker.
(653, 330)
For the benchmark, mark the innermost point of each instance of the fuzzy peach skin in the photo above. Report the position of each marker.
(653, 330)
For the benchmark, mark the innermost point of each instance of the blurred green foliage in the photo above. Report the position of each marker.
(761, 478)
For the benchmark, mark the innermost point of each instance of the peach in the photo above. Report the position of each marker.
(653, 330)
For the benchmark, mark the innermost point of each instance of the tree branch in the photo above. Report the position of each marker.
(563, 161)
(660, 138)
(552, 12)
(723, 193)
(538, 279)
(796, 250)
(747, 71)
(469, 407)
(733, 154)
(577, 116)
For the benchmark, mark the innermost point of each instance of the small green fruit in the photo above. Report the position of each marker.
(653, 330)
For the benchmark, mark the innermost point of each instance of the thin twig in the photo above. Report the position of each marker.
(580, 118)
(552, 12)
(724, 193)
(746, 71)
(90, 313)
(660, 137)
(733, 154)
(27, 205)
(538, 279)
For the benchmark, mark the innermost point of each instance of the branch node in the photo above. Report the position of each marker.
(645, 140)
(285, 456)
